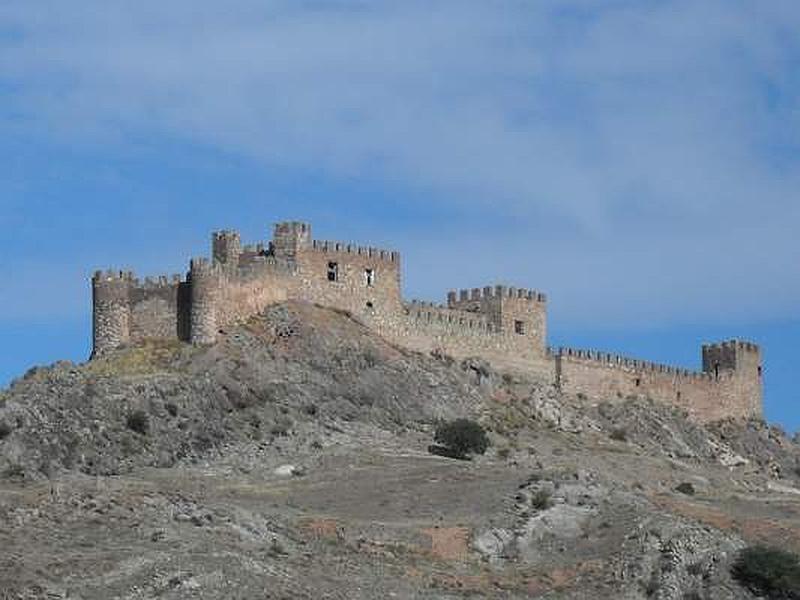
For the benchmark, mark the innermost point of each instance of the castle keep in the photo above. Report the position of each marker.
(507, 326)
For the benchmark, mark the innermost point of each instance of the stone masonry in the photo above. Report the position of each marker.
(506, 326)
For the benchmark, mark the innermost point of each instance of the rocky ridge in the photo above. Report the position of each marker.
(289, 460)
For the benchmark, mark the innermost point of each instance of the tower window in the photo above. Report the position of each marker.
(759, 371)
(638, 381)
(519, 327)
(333, 271)
(369, 277)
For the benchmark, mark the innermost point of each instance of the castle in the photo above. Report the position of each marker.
(507, 326)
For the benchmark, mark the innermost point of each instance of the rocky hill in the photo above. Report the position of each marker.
(290, 460)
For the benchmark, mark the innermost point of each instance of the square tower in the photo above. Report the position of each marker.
(290, 238)
(519, 314)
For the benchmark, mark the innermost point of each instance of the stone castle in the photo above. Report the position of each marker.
(507, 326)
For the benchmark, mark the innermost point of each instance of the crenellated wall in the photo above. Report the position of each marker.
(705, 395)
(506, 326)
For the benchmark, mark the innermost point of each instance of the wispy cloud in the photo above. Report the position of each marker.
(662, 137)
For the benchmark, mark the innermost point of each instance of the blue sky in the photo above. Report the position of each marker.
(637, 160)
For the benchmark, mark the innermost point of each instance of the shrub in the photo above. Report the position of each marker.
(462, 437)
(768, 571)
(619, 434)
(138, 421)
(542, 500)
(281, 427)
(5, 430)
(14, 471)
(685, 488)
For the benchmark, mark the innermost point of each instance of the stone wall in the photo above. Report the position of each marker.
(251, 289)
(427, 327)
(155, 309)
(705, 396)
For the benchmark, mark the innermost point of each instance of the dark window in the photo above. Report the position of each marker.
(759, 371)
(716, 370)
(638, 381)
(333, 271)
(519, 327)
(679, 395)
(369, 277)
(370, 305)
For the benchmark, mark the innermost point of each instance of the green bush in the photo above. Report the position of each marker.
(461, 437)
(767, 571)
(138, 421)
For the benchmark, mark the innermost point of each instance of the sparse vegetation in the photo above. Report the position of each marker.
(768, 571)
(460, 438)
(138, 421)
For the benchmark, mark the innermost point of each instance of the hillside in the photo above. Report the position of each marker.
(290, 460)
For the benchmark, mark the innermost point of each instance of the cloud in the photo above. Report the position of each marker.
(645, 150)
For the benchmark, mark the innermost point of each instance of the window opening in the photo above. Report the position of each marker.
(333, 271)
(369, 277)
(519, 327)
(759, 370)
(638, 381)
(370, 305)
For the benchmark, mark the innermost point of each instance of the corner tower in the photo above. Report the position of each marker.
(111, 310)
(736, 365)
(204, 281)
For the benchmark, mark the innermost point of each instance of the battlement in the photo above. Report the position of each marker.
(347, 248)
(494, 293)
(112, 275)
(733, 344)
(161, 281)
(225, 234)
(625, 362)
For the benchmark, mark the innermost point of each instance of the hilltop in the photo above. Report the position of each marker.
(289, 459)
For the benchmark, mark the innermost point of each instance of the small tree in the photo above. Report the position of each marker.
(768, 571)
(461, 437)
(137, 421)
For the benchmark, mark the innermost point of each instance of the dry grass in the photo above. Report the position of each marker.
(145, 358)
